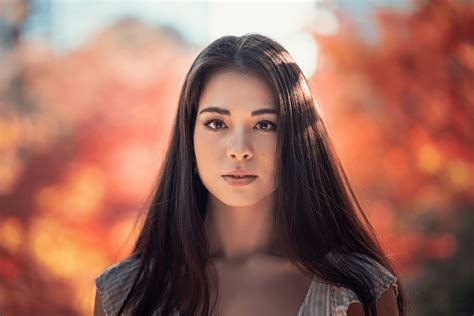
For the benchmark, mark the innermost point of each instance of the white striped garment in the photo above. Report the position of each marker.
(322, 299)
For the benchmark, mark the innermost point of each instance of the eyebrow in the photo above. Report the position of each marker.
(216, 109)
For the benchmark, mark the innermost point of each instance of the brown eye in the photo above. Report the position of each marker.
(267, 126)
(209, 122)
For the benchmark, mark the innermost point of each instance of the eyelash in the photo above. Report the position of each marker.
(273, 128)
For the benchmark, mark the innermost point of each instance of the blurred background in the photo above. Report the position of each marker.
(89, 90)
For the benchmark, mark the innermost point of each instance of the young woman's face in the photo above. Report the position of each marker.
(238, 136)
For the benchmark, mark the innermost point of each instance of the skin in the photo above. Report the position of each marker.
(386, 305)
(238, 217)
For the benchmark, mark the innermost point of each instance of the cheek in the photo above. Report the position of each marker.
(267, 153)
(266, 147)
(205, 145)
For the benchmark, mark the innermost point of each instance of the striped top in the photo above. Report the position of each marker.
(114, 283)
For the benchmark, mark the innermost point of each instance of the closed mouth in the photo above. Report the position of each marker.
(238, 177)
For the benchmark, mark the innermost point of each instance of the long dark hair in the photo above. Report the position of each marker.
(175, 267)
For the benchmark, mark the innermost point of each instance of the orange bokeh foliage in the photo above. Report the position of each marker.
(402, 116)
(94, 143)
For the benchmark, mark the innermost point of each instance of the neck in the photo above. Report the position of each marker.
(241, 232)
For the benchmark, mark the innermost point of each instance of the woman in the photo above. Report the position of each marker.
(252, 214)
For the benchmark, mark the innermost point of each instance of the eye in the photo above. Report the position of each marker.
(209, 122)
(267, 123)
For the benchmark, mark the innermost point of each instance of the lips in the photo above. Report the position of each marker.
(238, 177)
(239, 181)
(239, 173)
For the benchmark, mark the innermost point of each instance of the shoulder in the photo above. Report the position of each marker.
(380, 278)
(114, 283)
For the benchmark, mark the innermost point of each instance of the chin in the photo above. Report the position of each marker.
(240, 200)
(240, 203)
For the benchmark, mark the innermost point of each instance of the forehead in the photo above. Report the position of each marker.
(237, 91)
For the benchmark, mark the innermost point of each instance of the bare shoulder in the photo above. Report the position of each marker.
(98, 309)
(386, 305)
(383, 283)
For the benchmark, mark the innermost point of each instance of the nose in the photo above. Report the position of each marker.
(239, 147)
